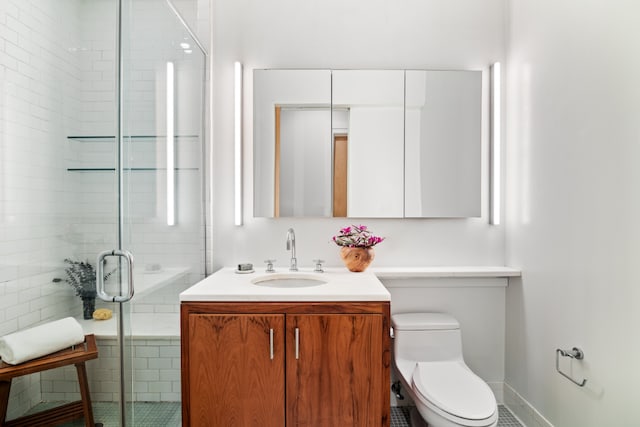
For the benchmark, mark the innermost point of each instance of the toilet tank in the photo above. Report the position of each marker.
(426, 337)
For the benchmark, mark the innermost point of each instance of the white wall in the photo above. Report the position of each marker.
(458, 34)
(39, 83)
(573, 207)
(477, 303)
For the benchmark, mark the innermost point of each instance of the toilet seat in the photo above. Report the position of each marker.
(452, 390)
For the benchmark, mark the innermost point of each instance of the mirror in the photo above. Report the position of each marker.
(373, 103)
(367, 143)
(442, 143)
(292, 143)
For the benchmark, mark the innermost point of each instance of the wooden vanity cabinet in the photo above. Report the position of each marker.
(285, 364)
(230, 376)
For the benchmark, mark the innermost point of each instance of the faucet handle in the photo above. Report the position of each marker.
(270, 265)
(318, 263)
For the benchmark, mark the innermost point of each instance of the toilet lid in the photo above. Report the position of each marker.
(455, 389)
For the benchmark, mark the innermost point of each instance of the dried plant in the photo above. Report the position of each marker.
(82, 277)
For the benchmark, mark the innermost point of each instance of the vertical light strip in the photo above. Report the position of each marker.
(237, 129)
(496, 145)
(171, 171)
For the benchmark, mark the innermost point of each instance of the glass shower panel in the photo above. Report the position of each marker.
(163, 84)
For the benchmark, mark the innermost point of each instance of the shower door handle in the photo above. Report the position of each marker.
(100, 276)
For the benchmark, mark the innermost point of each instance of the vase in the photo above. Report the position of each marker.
(88, 307)
(356, 259)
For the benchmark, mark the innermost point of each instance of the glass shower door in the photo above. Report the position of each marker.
(160, 203)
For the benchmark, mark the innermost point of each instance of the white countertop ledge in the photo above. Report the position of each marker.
(226, 285)
(445, 271)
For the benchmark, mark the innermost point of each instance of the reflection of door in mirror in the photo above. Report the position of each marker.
(302, 161)
(298, 94)
(374, 104)
(340, 156)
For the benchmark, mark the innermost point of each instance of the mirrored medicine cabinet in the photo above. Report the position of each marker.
(367, 143)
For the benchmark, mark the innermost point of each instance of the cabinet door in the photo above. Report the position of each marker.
(234, 378)
(334, 373)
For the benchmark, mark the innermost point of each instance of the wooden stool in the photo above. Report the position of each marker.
(76, 355)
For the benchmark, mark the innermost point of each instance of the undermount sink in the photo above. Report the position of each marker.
(289, 280)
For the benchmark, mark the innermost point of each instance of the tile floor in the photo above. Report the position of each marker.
(146, 414)
(167, 414)
(400, 417)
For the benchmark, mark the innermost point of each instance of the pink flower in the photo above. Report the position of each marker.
(356, 236)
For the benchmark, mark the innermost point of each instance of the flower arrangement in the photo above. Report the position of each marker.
(356, 236)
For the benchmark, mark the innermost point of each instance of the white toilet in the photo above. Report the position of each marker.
(428, 359)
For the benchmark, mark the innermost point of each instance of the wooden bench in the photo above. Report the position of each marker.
(76, 355)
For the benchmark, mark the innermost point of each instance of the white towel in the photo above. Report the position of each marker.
(40, 340)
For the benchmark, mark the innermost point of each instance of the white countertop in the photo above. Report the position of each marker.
(342, 285)
(445, 271)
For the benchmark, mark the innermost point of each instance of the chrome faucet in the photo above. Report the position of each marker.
(291, 246)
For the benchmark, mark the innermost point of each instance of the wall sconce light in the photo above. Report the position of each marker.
(171, 171)
(496, 145)
(238, 142)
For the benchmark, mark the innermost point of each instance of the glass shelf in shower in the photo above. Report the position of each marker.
(111, 138)
(127, 169)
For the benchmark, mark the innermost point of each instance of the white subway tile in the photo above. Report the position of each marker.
(140, 387)
(169, 375)
(148, 375)
(160, 363)
(171, 397)
(160, 387)
(148, 397)
(172, 351)
(149, 352)
(28, 320)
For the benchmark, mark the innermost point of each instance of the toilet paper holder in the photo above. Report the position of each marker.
(574, 353)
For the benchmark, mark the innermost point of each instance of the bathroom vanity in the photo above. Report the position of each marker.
(286, 350)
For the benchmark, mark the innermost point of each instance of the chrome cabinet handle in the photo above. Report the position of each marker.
(271, 343)
(100, 276)
(297, 331)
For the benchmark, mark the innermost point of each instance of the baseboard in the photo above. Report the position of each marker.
(523, 410)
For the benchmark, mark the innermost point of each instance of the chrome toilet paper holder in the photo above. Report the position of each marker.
(574, 353)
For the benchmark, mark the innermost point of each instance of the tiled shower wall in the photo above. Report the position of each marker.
(153, 37)
(40, 87)
(156, 377)
(57, 79)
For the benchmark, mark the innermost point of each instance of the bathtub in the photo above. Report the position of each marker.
(154, 346)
